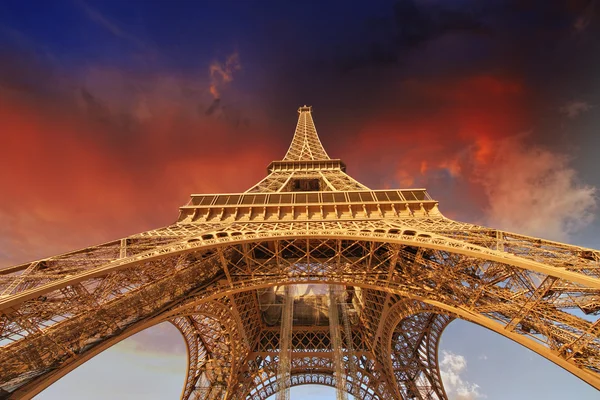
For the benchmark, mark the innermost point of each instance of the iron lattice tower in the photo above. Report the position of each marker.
(307, 277)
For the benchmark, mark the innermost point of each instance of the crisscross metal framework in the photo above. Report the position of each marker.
(402, 272)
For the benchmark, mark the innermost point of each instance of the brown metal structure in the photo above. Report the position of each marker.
(377, 276)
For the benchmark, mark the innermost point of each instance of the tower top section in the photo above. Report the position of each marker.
(306, 144)
(307, 185)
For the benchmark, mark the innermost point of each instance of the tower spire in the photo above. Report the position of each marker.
(306, 165)
(306, 144)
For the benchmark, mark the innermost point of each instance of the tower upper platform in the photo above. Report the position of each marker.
(308, 185)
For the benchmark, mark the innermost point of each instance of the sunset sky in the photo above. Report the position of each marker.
(113, 112)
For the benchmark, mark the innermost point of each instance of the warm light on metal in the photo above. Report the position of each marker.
(244, 277)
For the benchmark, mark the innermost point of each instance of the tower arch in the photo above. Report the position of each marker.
(402, 271)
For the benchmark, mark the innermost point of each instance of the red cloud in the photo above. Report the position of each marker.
(471, 131)
(448, 124)
(73, 178)
(119, 161)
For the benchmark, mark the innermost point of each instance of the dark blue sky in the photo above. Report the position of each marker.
(113, 112)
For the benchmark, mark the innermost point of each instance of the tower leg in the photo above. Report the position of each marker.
(337, 346)
(211, 354)
(285, 345)
(209, 360)
(414, 356)
(413, 339)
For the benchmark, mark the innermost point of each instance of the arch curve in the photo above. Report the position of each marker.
(475, 287)
(325, 378)
(411, 338)
(186, 320)
(400, 235)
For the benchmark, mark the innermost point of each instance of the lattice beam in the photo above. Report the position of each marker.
(406, 270)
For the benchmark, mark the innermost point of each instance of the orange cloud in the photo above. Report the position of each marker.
(75, 175)
(221, 73)
(459, 122)
(464, 138)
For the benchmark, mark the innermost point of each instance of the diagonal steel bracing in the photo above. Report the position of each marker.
(221, 271)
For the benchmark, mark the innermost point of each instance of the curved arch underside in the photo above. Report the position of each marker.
(404, 284)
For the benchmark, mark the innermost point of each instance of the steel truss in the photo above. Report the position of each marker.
(403, 269)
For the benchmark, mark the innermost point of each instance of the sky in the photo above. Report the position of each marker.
(113, 112)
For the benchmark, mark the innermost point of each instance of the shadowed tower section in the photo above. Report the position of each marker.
(309, 277)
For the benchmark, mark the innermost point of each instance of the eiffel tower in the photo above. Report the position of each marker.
(308, 277)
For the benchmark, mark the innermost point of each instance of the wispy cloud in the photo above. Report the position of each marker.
(452, 369)
(89, 122)
(585, 18)
(473, 146)
(160, 340)
(574, 108)
(535, 191)
(106, 23)
(222, 73)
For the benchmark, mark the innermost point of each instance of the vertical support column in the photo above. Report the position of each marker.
(123, 248)
(500, 240)
(352, 360)
(285, 343)
(336, 343)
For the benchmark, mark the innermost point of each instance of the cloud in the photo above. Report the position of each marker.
(586, 17)
(104, 22)
(574, 108)
(222, 73)
(409, 26)
(533, 190)
(436, 132)
(460, 138)
(159, 340)
(452, 369)
(213, 106)
(127, 372)
(109, 153)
